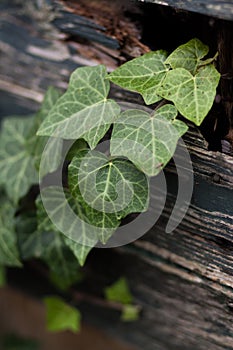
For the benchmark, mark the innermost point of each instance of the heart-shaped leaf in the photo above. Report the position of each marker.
(18, 172)
(84, 110)
(188, 55)
(108, 189)
(142, 74)
(193, 96)
(148, 140)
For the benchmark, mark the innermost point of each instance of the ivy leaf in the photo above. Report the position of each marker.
(188, 56)
(36, 144)
(142, 74)
(119, 291)
(193, 96)
(84, 110)
(9, 254)
(61, 316)
(86, 240)
(108, 189)
(148, 140)
(48, 246)
(18, 172)
(130, 313)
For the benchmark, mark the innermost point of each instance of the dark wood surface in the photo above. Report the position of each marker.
(214, 8)
(184, 280)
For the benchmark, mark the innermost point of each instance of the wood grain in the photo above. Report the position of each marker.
(215, 8)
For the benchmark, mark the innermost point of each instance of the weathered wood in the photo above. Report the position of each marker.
(215, 8)
(183, 281)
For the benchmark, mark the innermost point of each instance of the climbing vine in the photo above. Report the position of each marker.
(101, 187)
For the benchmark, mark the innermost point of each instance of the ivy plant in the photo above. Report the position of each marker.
(101, 187)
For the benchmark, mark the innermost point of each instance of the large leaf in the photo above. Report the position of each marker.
(85, 236)
(9, 254)
(193, 96)
(188, 55)
(108, 189)
(18, 172)
(61, 316)
(36, 144)
(142, 74)
(84, 110)
(148, 140)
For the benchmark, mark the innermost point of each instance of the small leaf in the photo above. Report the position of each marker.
(193, 96)
(18, 172)
(108, 189)
(142, 74)
(147, 140)
(2, 276)
(84, 110)
(130, 313)
(9, 254)
(119, 292)
(188, 55)
(61, 316)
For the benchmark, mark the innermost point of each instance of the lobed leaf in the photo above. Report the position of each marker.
(142, 74)
(147, 140)
(119, 291)
(108, 189)
(188, 55)
(84, 110)
(193, 96)
(61, 316)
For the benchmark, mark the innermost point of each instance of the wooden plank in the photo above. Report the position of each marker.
(215, 8)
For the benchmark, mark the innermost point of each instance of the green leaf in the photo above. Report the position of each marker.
(130, 313)
(2, 276)
(61, 316)
(193, 96)
(18, 172)
(80, 251)
(86, 239)
(188, 55)
(147, 140)
(49, 246)
(142, 74)
(119, 291)
(9, 254)
(84, 110)
(108, 189)
(36, 145)
(76, 147)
